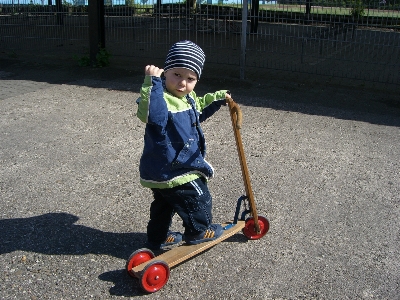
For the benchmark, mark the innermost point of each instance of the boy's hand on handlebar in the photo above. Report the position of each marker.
(153, 71)
(228, 96)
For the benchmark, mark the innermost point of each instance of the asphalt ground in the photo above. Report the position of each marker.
(324, 165)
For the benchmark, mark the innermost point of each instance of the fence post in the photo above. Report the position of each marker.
(96, 27)
(243, 39)
(60, 13)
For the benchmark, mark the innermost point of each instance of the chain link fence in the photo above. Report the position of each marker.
(348, 39)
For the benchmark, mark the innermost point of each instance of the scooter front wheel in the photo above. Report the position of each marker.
(249, 229)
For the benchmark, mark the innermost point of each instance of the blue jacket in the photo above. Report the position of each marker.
(174, 147)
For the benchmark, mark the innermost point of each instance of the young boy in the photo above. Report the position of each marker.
(173, 162)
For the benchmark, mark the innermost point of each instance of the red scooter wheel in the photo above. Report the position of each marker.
(137, 258)
(154, 276)
(249, 229)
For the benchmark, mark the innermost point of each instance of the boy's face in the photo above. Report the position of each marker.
(180, 81)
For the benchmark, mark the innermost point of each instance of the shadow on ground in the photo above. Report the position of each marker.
(56, 233)
(315, 95)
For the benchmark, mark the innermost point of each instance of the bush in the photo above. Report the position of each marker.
(357, 9)
(102, 59)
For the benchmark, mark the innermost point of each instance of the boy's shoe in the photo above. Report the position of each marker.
(172, 239)
(213, 232)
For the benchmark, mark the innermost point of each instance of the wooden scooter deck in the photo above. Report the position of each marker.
(179, 254)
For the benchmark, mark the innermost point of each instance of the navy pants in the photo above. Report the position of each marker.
(191, 201)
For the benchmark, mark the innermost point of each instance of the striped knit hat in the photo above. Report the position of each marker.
(185, 54)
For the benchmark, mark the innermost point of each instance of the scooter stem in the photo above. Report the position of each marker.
(236, 117)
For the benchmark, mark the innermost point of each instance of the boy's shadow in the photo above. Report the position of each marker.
(55, 233)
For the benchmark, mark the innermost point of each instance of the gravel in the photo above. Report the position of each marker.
(324, 166)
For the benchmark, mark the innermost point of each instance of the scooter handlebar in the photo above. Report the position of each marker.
(235, 110)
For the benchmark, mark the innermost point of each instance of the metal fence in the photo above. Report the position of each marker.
(353, 40)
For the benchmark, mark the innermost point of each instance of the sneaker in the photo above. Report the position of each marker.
(213, 232)
(172, 239)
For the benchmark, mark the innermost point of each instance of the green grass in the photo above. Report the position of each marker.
(330, 10)
(140, 9)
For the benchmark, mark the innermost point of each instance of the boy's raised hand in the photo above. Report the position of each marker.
(153, 71)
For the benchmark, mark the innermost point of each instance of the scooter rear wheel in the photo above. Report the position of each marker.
(249, 229)
(137, 258)
(154, 276)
